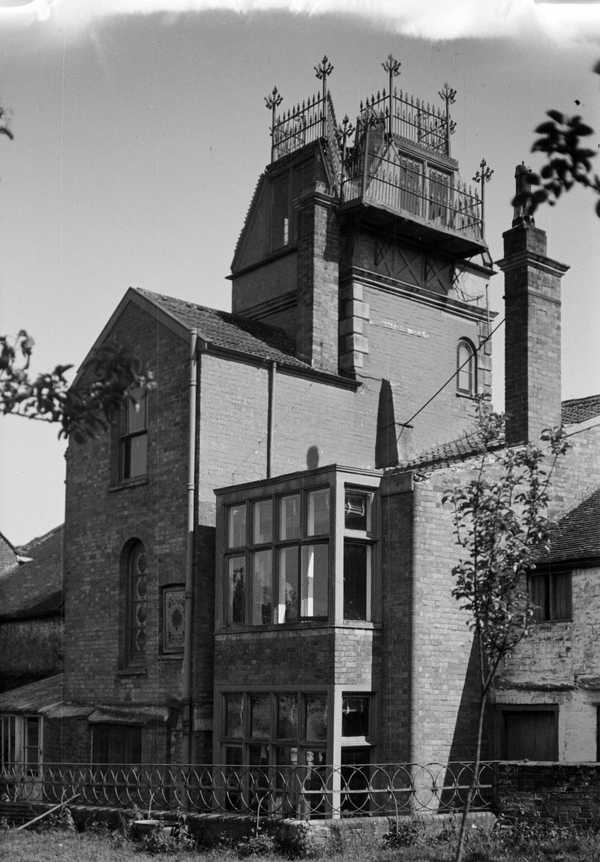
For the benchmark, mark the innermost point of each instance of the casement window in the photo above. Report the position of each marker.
(133, 441)
(277, 559)
(550, 595)
(358, 551)
(466, 368)
(116, 743)
(529, 733)
(274, 728)
(135, 582)
(21, 742)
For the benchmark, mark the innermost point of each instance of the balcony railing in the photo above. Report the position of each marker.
(384, 177)
(412, 119)
(276, 791)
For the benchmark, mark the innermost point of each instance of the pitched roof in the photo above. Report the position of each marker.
(35, 696)
(577, 534)
(228, 331)
(580, 409)
(34, 588)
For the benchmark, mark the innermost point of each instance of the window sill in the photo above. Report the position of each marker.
(171, 656)
(128, 483)
(468, 395)
(132, 671)
(298, 627)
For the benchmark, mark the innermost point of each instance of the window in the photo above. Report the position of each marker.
(133, 444)
(550, 594)
(466, 368)
(274, 728)
(136, 602)
(357, 554)
(530, 734)
(116, 743)
(355, 715)
(277, 559)
(21, 742)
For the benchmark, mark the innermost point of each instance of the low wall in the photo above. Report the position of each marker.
(568, 793)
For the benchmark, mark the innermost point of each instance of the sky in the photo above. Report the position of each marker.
(140, 132)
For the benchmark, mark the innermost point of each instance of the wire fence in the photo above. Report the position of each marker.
(275, 791)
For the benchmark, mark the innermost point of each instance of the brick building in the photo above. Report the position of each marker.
(302, 613)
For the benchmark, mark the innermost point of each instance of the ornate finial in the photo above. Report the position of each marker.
(483, 175)
(343, 133)
(447, 94)
(392, 66)
(273, 100)
(324, 69)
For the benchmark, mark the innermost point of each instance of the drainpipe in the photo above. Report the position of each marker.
(270, 417)
(189, 551)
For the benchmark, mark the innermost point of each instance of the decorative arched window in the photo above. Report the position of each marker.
(466, 368)
(136, 602)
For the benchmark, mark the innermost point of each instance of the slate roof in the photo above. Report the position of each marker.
(577, 534)
(34, 588)
(229, 331)
(35, 696)
(580, 409)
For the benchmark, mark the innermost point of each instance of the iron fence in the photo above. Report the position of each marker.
(276, 791)
(402, 184)
(412, 119)
(300, 125)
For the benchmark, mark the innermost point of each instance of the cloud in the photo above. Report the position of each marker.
(433, 19)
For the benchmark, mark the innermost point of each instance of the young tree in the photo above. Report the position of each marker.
(500, 524)
(111, 377)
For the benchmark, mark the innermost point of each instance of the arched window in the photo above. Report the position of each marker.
(136, 601)
(466, 368)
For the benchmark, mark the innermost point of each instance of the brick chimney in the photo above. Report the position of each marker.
(532, 345)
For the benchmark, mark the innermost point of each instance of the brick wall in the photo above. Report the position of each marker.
(564, 793)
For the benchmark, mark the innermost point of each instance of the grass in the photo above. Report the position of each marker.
(559, 845)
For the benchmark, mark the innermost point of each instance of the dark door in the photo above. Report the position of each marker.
(530, 735)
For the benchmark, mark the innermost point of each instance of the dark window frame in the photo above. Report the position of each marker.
(466, 366)
(509, 708)
(127, 437)
(550, 612)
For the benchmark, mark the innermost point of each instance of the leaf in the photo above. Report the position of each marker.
(556, 116)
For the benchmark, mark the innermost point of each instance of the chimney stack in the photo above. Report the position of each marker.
(532, 313)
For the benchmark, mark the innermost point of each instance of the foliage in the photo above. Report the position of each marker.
(169, 839)
(500, 525)
(568, 161)
(82, 410)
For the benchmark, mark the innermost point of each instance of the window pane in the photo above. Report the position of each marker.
(288, 585)
(136, 412)
(138, 449)
(258, 755)
(263, 521)
(538, 591)
(316, 717)
(233, 755)
(237, 527)
(318, 513)
(236, 610)
(260, 715)
(355, 715)
(562, 596)
(356, 511)
(234, 716)
(262, 588)
(355, 580)
(287, 716)
(313, 600)
(289, 513)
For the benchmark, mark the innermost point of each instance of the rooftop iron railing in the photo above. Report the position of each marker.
(411, 119)
(276, 791)
(380, 174)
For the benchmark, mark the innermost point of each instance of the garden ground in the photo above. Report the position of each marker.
(560, 845)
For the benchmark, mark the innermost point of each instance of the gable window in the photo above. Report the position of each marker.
(277, 559)
(466, 368)
(136, 602)
(133, 441)
(550, 595)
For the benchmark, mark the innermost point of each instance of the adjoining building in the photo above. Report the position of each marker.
(252, 574)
